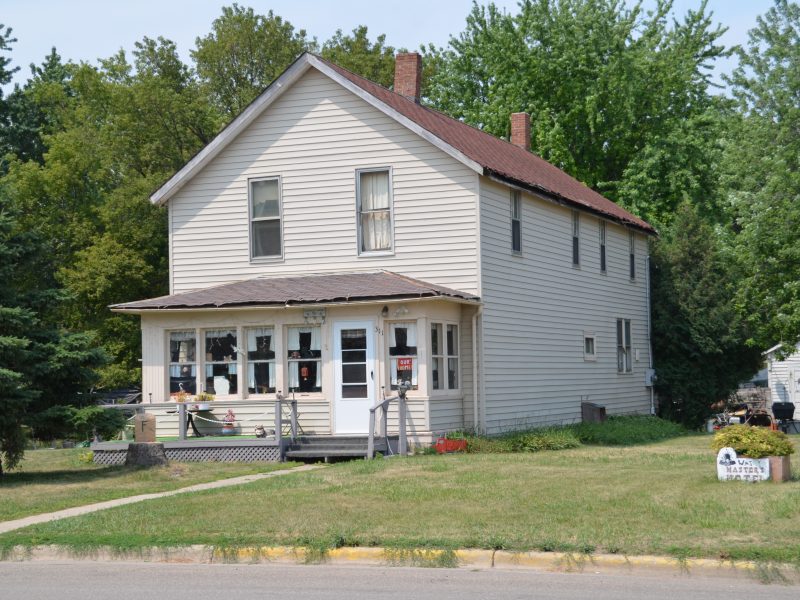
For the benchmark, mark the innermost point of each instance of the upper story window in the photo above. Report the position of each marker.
(576, 240)
(632, 253)
(374, 210)
(516, 222)
(602, 246)
(265, 218)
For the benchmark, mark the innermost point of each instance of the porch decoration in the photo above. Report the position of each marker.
(752, 454)
(229, 422)
(203, 400)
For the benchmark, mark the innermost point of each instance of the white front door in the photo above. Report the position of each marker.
(354, 366)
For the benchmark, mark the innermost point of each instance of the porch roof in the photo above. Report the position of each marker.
(309, 289)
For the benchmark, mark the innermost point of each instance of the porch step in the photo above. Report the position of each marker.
(323, 447)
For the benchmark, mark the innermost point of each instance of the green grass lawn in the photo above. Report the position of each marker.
(50, 480)
(660, 498)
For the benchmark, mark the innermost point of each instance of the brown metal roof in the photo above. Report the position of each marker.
(310, 289)
(498, 157)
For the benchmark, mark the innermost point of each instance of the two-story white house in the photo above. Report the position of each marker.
(338, 237)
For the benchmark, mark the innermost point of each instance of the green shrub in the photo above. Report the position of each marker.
(753, 442)
(627, 430)
(544, 439)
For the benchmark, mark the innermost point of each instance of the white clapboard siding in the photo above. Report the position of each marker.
(537, 307)
(784, 379)
(314, 137)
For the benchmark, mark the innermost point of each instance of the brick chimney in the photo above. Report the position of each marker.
(408, 75)
(521, 130)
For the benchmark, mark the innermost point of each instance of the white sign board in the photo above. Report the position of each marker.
(730, 467)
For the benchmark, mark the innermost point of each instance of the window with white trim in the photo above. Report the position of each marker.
(602, 246)
(632, 253)
(374, 210)
(182, 362)
(260, 360)
(403, 354)
(444, 356)
(576, 240)
(589, 346)
(265, 218)
(304, 352)
(624, 358)
(516, 222)
(221, 362)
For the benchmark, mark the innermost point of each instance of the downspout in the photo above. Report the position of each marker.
(475, 369)
(649, 334)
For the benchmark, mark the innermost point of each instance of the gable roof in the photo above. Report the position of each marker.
(309, 289)
(477, 149)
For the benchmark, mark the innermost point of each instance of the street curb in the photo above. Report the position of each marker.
(556, 562)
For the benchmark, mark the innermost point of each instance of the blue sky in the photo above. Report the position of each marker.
(89, 29)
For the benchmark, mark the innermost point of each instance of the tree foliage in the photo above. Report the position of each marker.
(373, 60)
(763, 176)
(605, 86)
(699, 339)
(243, 53)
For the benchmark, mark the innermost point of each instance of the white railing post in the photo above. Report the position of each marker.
(294, 420)
(181, 421)
(401, 414)
(278, 422)
(371, 436)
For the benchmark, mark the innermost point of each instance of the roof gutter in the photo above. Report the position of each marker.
(181, 309)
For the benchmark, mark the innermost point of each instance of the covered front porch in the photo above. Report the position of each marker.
(336, 345)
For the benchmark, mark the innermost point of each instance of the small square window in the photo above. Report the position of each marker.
(589, 346)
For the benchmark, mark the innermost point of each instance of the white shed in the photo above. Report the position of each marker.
(784, 377)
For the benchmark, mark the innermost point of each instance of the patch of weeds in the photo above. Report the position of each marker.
(627, 430)
(317, 549)
(769, 573)
(418, 557)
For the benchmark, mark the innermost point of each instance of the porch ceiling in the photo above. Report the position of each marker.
(309, 289)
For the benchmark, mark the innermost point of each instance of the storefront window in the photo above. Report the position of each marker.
(221, 367)
(304, 353)
(182, 362)
(403, 353)
(260, 360)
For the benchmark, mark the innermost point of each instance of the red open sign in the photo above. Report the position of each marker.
(405, 364)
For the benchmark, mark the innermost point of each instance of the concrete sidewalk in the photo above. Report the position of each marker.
(7, 526)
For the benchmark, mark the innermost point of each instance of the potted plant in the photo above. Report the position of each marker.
(203, 400)
(758, 442)
(181, 396)
(229, 422)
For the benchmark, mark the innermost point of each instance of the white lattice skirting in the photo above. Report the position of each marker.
(116, 456)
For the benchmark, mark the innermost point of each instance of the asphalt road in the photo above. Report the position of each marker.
(83, 580)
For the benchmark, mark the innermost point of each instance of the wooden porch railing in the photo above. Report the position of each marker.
(280, 400)
(402, 442)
